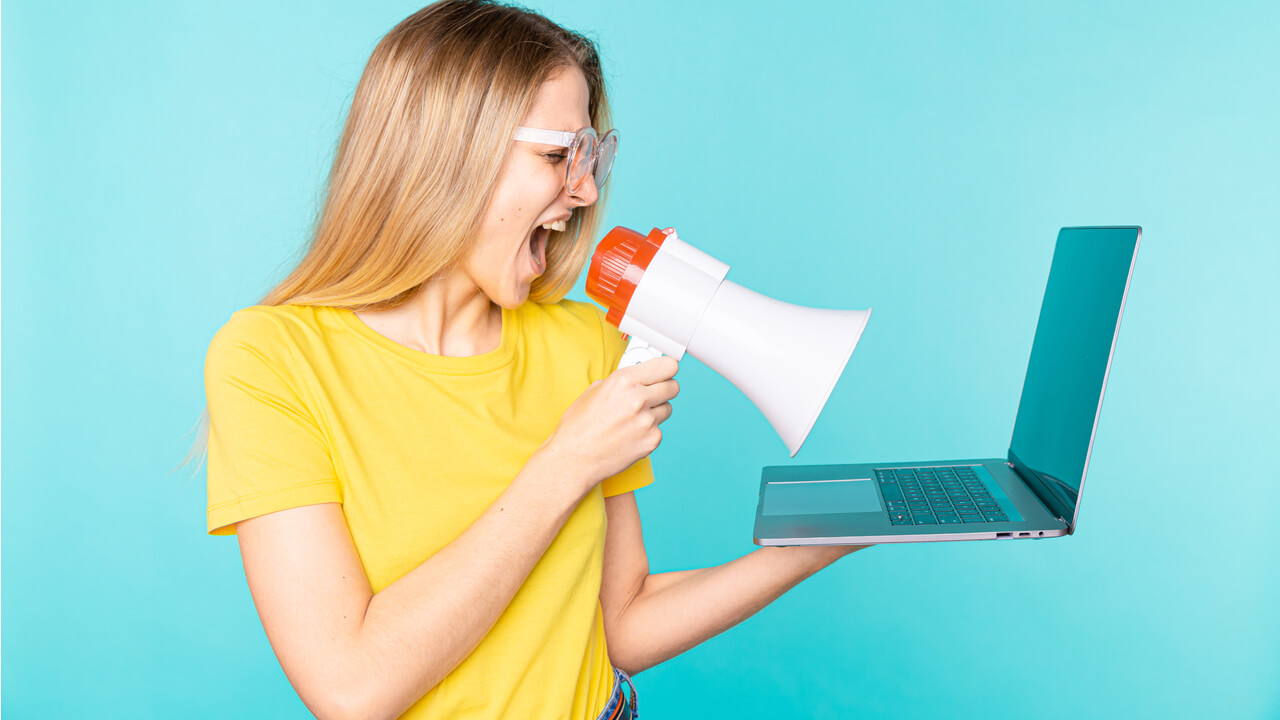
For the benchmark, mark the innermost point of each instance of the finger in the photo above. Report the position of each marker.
(653, 370)
(661, 392)
(672, 387)
(662, 412)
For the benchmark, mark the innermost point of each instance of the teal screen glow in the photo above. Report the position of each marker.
(1070, 355)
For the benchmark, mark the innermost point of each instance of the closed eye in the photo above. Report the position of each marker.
(557, 156)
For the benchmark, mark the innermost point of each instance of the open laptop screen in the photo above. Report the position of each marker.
(1062, 394)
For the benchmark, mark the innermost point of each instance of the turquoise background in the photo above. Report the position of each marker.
(161, 163)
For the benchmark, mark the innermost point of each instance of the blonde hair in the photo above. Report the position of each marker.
(427, 135)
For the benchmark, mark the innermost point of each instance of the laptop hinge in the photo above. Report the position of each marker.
(1049, 496)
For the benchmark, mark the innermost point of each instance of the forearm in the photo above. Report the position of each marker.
(422, 626)
(676, 611)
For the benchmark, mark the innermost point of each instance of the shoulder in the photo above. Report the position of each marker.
(568, 314)
(271, 324)
(267, 334)
(579, 324)
(570, 321)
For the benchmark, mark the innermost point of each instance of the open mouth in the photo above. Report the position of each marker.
(538, 249)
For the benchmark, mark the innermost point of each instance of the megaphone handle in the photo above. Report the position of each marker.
(637, 352)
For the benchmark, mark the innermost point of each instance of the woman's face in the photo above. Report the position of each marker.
(531, 191)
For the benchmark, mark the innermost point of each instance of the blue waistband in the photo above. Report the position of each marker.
(619, 707)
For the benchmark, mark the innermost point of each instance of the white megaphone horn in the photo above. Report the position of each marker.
(671, 297)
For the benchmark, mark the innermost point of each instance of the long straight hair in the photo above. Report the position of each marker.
(425, 140)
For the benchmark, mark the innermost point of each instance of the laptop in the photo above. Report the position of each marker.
(1032, 492)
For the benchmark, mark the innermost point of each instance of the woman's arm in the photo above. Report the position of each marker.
(352, 654)
(652, 618)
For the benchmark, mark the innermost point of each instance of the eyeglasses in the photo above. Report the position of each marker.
(587, 151)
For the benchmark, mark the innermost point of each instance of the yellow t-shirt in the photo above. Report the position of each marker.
(310, 405)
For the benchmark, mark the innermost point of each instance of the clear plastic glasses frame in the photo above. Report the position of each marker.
(588, 152)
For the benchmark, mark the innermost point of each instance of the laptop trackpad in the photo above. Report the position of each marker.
(816, 497)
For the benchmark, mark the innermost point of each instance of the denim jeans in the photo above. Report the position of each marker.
(618, 707)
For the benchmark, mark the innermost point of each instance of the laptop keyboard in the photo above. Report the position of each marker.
(937, 496)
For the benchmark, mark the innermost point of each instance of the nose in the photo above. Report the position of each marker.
(587, 193)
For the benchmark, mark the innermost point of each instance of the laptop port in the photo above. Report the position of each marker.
(1023, 534)
(1000, 535)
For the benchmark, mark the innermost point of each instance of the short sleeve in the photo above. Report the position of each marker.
(266, 452)
(640, 473)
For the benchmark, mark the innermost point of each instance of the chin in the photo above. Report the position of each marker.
(512, 302)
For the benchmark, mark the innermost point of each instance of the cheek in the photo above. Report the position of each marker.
(524, 193)
(539, 180)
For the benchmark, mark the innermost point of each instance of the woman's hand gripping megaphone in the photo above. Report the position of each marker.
(614, 422)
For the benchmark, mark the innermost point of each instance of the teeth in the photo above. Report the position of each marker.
(558, 226)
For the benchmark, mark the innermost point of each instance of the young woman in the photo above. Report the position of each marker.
(421, 444)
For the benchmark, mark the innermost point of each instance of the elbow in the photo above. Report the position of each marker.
(630, 667)
(347, 707)
(619, 658)
(334, 707)
(345, 703)
(342, 688)
(366, 701)
(620, 647)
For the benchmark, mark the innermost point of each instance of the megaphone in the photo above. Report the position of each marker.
(671, 298)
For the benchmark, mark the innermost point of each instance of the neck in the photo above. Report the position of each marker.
(450, 317)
